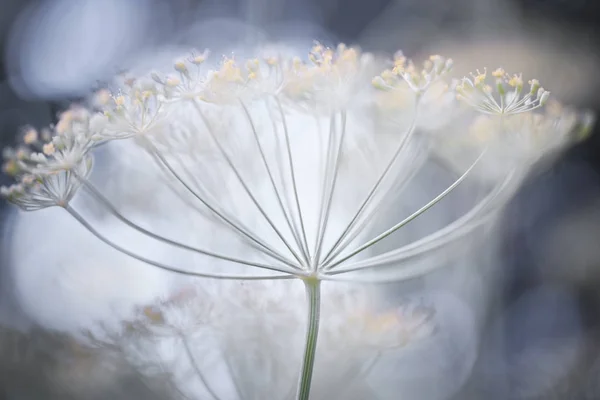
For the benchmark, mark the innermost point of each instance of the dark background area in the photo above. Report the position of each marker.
(569, 187)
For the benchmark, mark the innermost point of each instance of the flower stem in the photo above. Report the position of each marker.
(313, 293)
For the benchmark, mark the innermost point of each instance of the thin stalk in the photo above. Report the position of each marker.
(454, 231)
(199, 187)
(117, 214)
(292, 174)
(282, 181)
(234, 381)
(370, 216)
(325, 174)
(162, 266)
(166, 174)
(272, 180)
(323, 230)
(369, 197)
(354, 375)
(266, 249)
(410, 218)
(313, 294)
(196, 368)
(439, 253)
(244, 185)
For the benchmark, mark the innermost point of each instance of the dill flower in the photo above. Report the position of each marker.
(405, 72)
(46, 170)
(287, 168)
(135, 109)
(224, 344)
(505, 97)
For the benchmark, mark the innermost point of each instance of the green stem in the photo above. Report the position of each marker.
(313, 293)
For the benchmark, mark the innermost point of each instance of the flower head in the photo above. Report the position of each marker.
(134, 109)
(504, 97)
(529, 136)
(229, 83)
(48, 172)
(332, 79)
(187, 80)
(405, 72)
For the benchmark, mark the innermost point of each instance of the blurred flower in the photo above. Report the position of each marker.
(248, 343)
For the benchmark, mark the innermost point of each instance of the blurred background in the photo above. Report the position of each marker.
(542, 338)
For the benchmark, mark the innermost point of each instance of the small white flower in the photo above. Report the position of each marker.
(333, 80)
(47, 189)
(51, 175)
(505, 97)
(134, 110)
(406, 73)
(187, 82)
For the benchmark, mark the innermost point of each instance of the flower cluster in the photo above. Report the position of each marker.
(505, 97)
(189, 121)
(48, 165)
(291, 169)
(405, 72)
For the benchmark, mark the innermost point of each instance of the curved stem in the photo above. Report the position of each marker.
(325, 177)
(242, 182)
(117, 214)
(162, 266)
(273, 185)
(369, 217)
(196, 368)
(329, 200)
(285, 185)
(405, 140)
(165, 177)
(292, 173)
(313, 293)
(266, 249)
(167, 174)
(408, 219)
(436, 240)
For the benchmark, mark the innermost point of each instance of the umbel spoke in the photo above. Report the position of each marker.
(477, 216)
(385, 202)
(408, 219)
(295, 218)
(162, 266)
(194, 363)
(243, 183)
(268, 250)
(292, 173)
(328, 199)
(403, 142)
(292, 228)
(116, 213)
